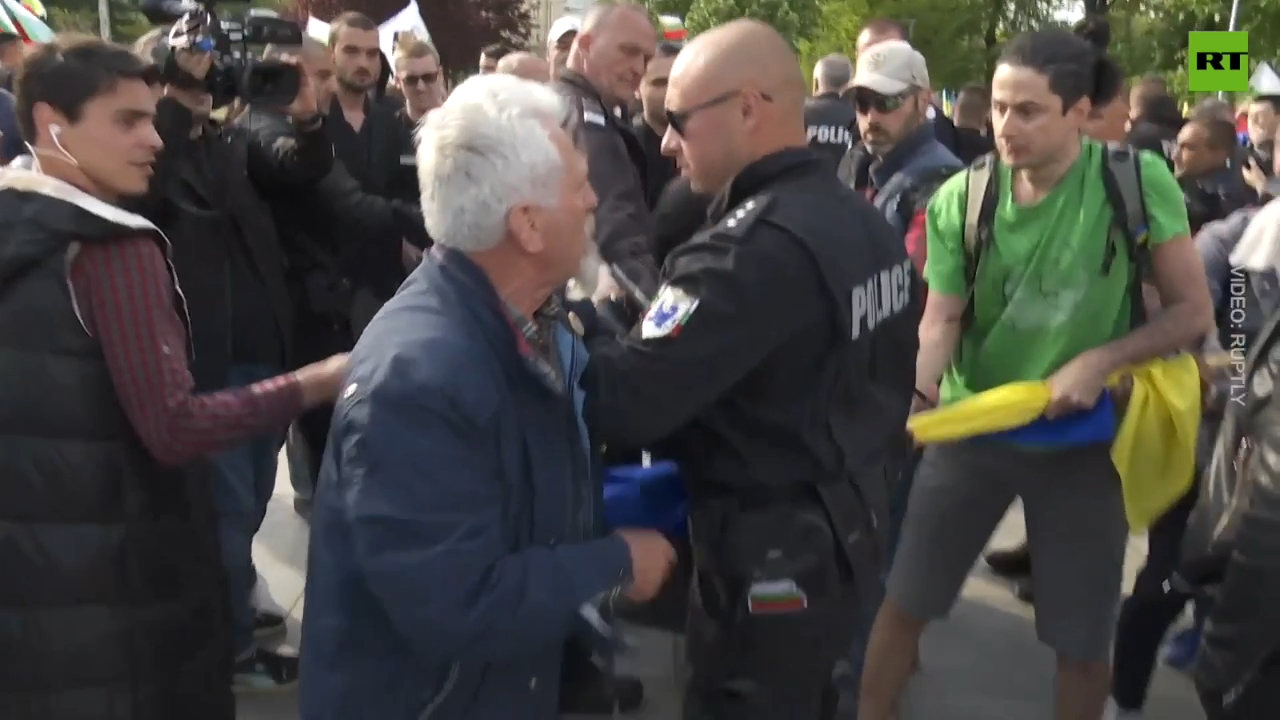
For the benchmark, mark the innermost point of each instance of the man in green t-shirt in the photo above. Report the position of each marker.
(1046, 305)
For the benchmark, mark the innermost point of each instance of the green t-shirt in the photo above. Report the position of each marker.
(1040, 295)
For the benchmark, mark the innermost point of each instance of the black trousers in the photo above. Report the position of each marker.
(774, 607)
(1146, 615)
(767, 667)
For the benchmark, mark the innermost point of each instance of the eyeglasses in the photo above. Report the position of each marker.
(678, 119)
(423, 79)
(866, 100)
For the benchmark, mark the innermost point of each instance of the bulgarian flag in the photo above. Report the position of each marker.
(18, 19)
(673, 28)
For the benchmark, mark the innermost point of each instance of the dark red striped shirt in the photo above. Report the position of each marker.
(124, 295)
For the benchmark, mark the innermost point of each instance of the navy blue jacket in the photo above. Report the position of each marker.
(449, 545)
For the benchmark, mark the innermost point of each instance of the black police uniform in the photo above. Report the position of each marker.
(775, 365)
(617, 170)
(831, 125)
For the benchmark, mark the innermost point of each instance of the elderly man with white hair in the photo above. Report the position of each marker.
(452, 548)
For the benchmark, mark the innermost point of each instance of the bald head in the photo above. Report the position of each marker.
(612, 48)
(743, 54)
(736, 94)
(879, 30)
(525, 65)
(832, 74)
(605, 13)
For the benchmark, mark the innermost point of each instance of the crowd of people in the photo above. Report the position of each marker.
(457, 309)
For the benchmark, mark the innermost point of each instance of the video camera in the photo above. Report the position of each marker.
(236, 72)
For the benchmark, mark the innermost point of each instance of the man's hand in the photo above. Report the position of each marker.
(1253, 175)
(607, 287)
(196, 64)
(652, 558)
(1077, 385)
(321, 381)
(304, 107)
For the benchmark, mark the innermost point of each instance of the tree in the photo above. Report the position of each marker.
(796, 20)
(459, 28)
(127, 22)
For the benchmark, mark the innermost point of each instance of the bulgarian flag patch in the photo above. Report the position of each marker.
(776, 597)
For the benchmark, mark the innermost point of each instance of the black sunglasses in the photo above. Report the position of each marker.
(423, 79)
(866, 100)
(678, 119)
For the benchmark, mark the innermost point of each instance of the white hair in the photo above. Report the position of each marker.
(486, 150)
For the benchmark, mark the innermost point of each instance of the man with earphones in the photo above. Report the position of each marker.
(228, 256)
(117, 603)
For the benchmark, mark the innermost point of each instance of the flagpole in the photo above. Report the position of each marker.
(104, 19)
(1232, 24)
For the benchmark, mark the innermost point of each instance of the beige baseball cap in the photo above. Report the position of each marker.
(563, 26)
(891, 67)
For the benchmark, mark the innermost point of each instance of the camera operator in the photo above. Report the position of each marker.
(336, 237)
(227, 255)
(115, 594)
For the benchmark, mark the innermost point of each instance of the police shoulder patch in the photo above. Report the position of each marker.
(668, 313)
(736, 221)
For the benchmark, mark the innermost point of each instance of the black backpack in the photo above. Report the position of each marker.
(1122, 182)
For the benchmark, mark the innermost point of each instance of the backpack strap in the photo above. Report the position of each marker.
(981, 197)
(1122, 181)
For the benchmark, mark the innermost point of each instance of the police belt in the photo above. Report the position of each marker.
(842, 499)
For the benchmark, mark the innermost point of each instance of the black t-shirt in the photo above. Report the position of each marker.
(659, 169)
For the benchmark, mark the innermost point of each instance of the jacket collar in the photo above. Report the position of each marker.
(758, 175)
(584, 86)
(902, 154)
(475, 295)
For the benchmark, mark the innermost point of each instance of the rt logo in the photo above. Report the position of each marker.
(1218, 61)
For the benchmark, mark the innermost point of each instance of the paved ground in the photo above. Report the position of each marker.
(982, 664)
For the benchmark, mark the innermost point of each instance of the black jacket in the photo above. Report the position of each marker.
(616, 165)
(679, 215)
(113, 606)
(205, 204)
(1234, 535)
(385, 170)
(336, 236)
(831, 124)
(972, 144)
(773, 324)
(1158, 134)
(1213, 197)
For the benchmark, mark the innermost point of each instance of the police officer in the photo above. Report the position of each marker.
(774, 365)
(599, 92)
(829, 119)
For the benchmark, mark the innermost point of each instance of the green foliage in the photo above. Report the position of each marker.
(127, 22)
(795, 19)
(962, 38)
